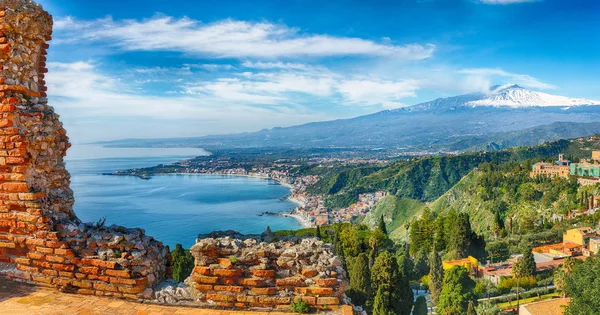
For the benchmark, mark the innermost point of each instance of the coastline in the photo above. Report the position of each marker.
(303, 221)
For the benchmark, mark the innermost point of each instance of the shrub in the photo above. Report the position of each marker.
(299, 306)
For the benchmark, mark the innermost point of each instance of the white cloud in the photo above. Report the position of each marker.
(226, 38)
(370, 92)
(80, 92)
(485, 76)
(507, 1)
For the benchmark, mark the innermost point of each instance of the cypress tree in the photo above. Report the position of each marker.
(471, 309)
(457, 292)
(382, 227)
(526, 266)
(182, 263)
(381, 303)
(318, 232)
(386, 276)
(420, 306)
(360, 280)
(436, 276)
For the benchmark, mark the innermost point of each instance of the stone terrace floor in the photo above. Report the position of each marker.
(18, 298)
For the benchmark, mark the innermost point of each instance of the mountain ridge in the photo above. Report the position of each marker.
(435, 126)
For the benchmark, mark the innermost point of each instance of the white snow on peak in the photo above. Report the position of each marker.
(515, 96)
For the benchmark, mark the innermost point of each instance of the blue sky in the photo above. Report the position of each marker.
(146, 69)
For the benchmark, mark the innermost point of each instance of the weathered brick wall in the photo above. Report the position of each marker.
(245, 272)
(39, 233)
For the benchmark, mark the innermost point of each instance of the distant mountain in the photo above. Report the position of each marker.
(510, 95)
(506, 115)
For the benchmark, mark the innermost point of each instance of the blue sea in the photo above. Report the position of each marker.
(171, 208)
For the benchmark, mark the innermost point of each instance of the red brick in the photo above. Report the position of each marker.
(328, 282)
(290, 282)
(263, 273)
(227, 272)
(23, 261)
(55, 259)
(65, 274)
(252, 282)
(225, 262)
(84, 284)
(99, 278)
(53, 244)
(218, 297)
(201, 270)
(45, 250)
(263, 291)
(329, 300)
(89, 270)
(63, 267)
(314, 291)
(105, 287)
(131, 290)
(309, 273)
(205, 279)
(118, 273)
(50, 272)
(61, 282)
(135, 282)
(229, 288)
(203, 287)
(41, 279)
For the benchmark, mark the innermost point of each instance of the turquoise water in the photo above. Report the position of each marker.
(172, 208)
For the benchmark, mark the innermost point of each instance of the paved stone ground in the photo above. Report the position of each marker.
(18, 298)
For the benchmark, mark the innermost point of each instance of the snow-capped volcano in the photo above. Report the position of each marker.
(509, 95)
(516, 96)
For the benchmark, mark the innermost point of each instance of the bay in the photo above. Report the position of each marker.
(171, 208)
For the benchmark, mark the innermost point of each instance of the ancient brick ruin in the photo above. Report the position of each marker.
(247, 272)
(44, 243)
(39, 233)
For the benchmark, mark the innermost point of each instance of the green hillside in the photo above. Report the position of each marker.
(499, 191)
(423, 179)
(395, 211)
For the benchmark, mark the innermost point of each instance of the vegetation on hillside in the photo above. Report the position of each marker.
(423, 179)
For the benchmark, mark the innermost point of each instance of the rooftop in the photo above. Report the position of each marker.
(552, 306)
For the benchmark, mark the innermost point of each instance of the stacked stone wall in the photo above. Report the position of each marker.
(39, 233)
(246, 273)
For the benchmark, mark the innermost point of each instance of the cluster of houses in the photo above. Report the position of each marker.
(578, 243)
(587, 171)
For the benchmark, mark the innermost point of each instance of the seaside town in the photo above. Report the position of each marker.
(310, 209)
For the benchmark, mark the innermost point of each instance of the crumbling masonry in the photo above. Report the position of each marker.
(39, 233)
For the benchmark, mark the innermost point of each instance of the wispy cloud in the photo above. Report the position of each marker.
(80, 91)
(506, 1)
(480, 77)
(227, 38)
